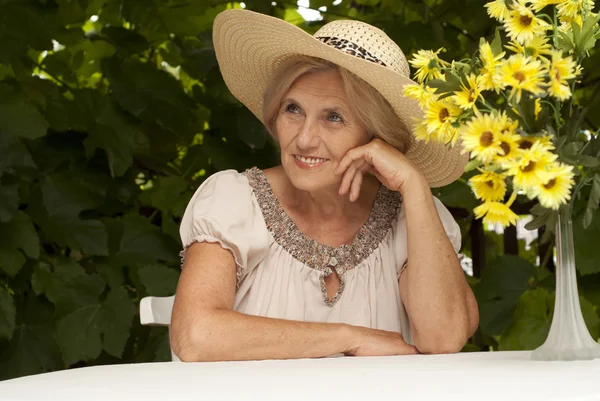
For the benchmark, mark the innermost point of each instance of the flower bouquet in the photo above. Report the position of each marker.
(511, 108)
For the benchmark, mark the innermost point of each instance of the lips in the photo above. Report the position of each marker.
(309, 163)
(310, 160)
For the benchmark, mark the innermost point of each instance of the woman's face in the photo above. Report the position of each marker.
(315, 129)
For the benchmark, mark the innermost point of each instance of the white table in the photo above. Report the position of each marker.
(506, 376)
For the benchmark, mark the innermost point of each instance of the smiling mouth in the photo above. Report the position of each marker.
(310, 160)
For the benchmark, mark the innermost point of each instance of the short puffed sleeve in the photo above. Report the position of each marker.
(224, 211)
(450, 226)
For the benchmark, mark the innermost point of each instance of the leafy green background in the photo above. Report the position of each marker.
(113, 111)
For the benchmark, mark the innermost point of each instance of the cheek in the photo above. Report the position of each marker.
(285, 129)
(342, 142)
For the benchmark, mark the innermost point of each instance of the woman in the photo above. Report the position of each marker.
(342, 248)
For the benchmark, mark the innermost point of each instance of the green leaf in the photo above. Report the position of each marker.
(13, 154)
(18, 117)
(143, 242)
(88, 325)
(85, 235)
(151, 95)
(587, 251)
(593, 202)
(167, 195)
(9, 202)
(114, 133)
(451, 84)
(79, 329)
(531, 324)
(20, 233)
(498, 292)
(587, 161)
(113, 275)
(7, 315)
(11, 261)
(159, 280)
(52, 279)
(457, 194)
(565, 42)
(128, 41)
(64, 196)
(118, 312)
(496, 44)
(32, 349)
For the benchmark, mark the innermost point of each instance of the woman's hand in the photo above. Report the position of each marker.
(372, 342)
(381, 159)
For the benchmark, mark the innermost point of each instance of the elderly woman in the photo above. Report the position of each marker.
(342, 248)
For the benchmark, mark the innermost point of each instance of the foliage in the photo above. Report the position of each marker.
(111, 114)
(511, 106)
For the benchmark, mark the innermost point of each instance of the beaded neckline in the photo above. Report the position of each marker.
(314, 254)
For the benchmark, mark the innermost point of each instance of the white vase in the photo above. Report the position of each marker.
(568, 339)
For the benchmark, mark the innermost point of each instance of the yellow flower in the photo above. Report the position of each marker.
(489, 77)
(420, 130)
(529, 171)
(537, 5)
(488, 186)
(509, 145)
(522, 24)
(537, 107)
(480, 137)
(556, 190)
(440, 116)
(536, 144)
(571, 9)
(428, 65)
(534, 48)
(523, 73)
(469, 93)
(496, 212)
(560, 70)
(497, 9)
(421, 93)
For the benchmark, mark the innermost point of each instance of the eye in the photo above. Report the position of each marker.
(292, 108)
(336, 118)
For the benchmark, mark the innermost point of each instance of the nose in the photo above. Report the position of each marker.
(308, 138)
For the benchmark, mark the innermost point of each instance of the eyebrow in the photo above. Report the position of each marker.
(333, 109)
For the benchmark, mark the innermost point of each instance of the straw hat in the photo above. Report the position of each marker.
(249, 47)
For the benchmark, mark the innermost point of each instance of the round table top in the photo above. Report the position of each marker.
(465, 376)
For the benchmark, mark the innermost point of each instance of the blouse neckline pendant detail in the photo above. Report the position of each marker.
(316, 255)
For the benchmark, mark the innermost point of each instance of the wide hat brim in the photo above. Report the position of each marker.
(250, 46)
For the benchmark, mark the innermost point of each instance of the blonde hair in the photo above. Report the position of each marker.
(366, 103)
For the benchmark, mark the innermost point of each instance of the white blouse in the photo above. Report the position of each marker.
(281, 271)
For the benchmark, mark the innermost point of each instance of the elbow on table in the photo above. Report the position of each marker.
(189, 345)
(441, 345)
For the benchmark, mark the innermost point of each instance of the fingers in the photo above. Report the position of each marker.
(350, 157)
(352, 179)
(356, 183)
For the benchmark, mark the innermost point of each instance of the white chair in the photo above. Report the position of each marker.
(156, 311)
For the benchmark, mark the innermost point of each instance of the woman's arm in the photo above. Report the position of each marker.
(439, 302)
(205, 328)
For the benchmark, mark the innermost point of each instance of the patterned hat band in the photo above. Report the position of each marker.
(349, 48)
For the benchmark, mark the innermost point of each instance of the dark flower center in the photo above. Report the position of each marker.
(519, 76)
(525, 144)
(526, 20)
(486, 138)
(505, 147)
(550, 183)
(530, 166)
(444, 114)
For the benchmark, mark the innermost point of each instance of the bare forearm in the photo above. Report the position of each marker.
(433, 288)
(227, 335)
